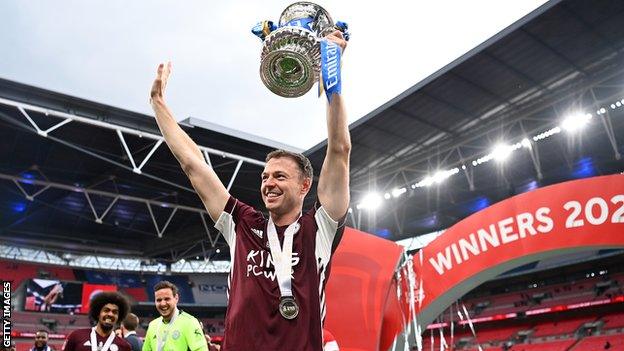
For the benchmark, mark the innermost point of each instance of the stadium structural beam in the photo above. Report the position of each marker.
(159, 230)
(487, 127)
(533, 151)
(238, 166)
(120, 131)
(109, 263)
(115, 197)
(606, 123)
(466, 170)
(213, 240)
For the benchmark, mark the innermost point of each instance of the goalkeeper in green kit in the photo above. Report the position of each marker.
(174, 330)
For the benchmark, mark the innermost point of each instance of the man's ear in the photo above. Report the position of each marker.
(305, 187)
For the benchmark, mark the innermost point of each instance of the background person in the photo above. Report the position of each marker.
(174, 330)
(106, 308)
(128, 329)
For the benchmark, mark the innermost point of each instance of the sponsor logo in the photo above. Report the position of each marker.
(258, 232)
(260, 264)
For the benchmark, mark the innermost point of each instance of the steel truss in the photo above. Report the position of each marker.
(111, 263)
(113, 197)
(120, 131)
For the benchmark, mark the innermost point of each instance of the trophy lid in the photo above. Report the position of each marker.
(322, 21)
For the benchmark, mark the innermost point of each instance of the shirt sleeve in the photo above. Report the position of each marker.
(123, 344)
(147, 343)
(194, 335)
(69, 345)
(329, 232)
(233, 212)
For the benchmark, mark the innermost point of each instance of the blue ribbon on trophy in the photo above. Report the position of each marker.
(329, 79)
(263, 29)
(295, 53)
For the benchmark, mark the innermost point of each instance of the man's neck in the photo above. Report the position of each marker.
(102, 332)
(285, 219)
(167, 319)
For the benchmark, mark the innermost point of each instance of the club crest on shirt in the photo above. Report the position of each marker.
(258, 232)
(260, 263)
(175, 335)
(114, 347)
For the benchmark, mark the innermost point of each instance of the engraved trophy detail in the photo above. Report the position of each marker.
(291, 54)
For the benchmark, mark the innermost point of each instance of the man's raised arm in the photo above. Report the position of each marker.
(333, 187)
(205, 181)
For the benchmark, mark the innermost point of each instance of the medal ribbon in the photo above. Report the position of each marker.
(330, 80)
(161, 342)
(282, 258)
(106, 345)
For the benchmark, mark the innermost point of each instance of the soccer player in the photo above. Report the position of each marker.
(280, 264)
(174, 330)
(41, 341)
(106, 308)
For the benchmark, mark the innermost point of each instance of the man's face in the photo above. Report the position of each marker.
(41, 339)
(166, 302)
(283, 186)
(108, 316)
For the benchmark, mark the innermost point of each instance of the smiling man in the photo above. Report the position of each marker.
(280, 264)
(174, 330)
(41, 341)
(106, 308)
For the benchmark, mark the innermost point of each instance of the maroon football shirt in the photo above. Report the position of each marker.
(253, 321)
(80, 340)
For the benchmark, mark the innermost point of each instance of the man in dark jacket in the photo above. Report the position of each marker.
(128, 328)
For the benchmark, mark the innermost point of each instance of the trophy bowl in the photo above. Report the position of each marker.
(291, 54)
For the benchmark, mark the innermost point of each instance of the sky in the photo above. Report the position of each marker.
(108, 51)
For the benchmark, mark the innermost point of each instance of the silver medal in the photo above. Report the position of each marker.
(288, 307)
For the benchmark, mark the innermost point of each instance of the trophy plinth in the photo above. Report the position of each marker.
(291, 55)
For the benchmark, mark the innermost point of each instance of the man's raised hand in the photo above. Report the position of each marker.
(160, 83)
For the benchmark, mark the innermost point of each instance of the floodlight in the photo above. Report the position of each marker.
(371, 201)
(398, 192)
(501, 152)
(575, 121)
(526, 143)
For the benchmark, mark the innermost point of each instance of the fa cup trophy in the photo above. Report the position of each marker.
(291, 52)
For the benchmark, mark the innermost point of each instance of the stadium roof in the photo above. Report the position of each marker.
(566, 57)
(562, 59)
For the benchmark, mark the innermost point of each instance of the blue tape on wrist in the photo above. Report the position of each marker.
(330, 69)
(344, 28)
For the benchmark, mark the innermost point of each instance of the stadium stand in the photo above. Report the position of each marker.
(615, 320)
(591, 343)
(544, 346)
(561, 327)
(17, 272)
